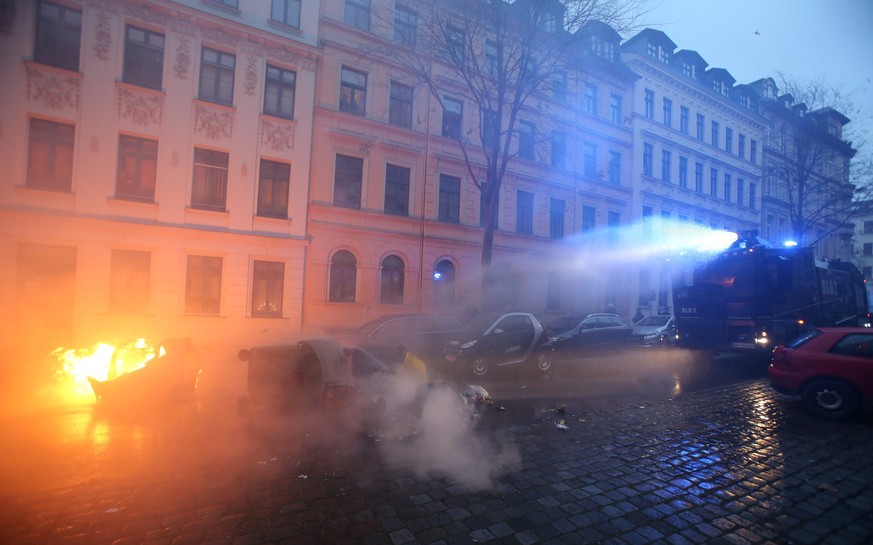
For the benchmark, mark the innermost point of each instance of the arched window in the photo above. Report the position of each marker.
(343, 270)
(444, 283)
(391, 281)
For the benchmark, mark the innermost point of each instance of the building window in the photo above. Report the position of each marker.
(559, 150)
(589, 160)
(391, 281)
(58, 35)
(588, 215)
(137, 168)
(279, 92)
(689, 70)
(683, 171)
(203, 285)
(273, 187)
(589, 99)
(650, 103)
(713, 182)
(342, 277)
(729, 140)
(405, 25)
(668, 112)
(452, 110)
(400, 108)
(216, 76)
(700, 126)
(603, 48)
(50, 155)
(268, 286)
(524, 213)
(698, 177)
(559, 85)
(556, 217)
(714, 126)
(683, 119)
(727, 187)
(648, 158)
(752, 195)
(741, 190)
(753, 151)
(444, 283)
(526, 140)
(490, 129)
(129, 281)
(491, 57)
(143, 57)
(286, 12)
(741, 145)
(666, 159)
(357, 14)
(455, 50)
(353, 92)
(615, 101)
(868, 227)
(348, 180)
(396, 190)
(209, 190)
(615, 167)
(450, 198)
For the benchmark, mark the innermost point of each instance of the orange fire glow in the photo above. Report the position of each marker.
(102, 361)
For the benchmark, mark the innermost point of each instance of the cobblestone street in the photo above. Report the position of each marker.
(739, 464)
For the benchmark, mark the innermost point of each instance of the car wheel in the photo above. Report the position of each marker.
(544, 361)
(832, 399)
(480, 366)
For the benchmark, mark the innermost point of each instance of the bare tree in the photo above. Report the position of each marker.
(498, 56)
(812, 165)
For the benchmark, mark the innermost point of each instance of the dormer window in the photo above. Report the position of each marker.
(746, 102)
(603, 48)
(658, 52)
(548, 22)
(720, 87)
(689, 70)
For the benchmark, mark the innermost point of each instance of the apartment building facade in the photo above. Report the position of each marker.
(156, 172)
(245, 172)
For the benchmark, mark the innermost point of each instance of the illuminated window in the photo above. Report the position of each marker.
(137, 168)
(353, 92)
(203, 285)
(268, 285)
(50, 155)
(273, 187)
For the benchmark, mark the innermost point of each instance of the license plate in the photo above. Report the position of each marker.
(749, 346)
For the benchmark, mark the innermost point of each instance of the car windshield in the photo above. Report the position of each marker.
(560, 325)
(654, 321)
(370, 326)
(480, 324)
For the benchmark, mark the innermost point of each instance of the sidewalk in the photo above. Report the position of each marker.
(738, 465)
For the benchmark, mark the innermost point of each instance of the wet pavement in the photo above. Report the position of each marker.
(734, 464)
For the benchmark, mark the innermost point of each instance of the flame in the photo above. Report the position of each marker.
(102, 361)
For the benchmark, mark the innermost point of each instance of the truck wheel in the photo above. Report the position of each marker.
(833, 399)
(480, 366)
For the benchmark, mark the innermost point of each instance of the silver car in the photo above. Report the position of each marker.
(657, 330)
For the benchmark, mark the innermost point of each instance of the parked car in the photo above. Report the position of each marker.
(391, 336)
(656, 330)
(830, 369)
(498, 340)
(592, 332)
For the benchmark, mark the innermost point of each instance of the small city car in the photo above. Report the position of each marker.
(831, 369)
(590, 333)
(391, 336)
(498, 340)
(656, 330)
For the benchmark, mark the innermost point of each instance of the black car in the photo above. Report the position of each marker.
(497, 340)
(391, 336)
(588, 333)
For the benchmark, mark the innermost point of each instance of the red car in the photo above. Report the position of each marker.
(831, 369)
